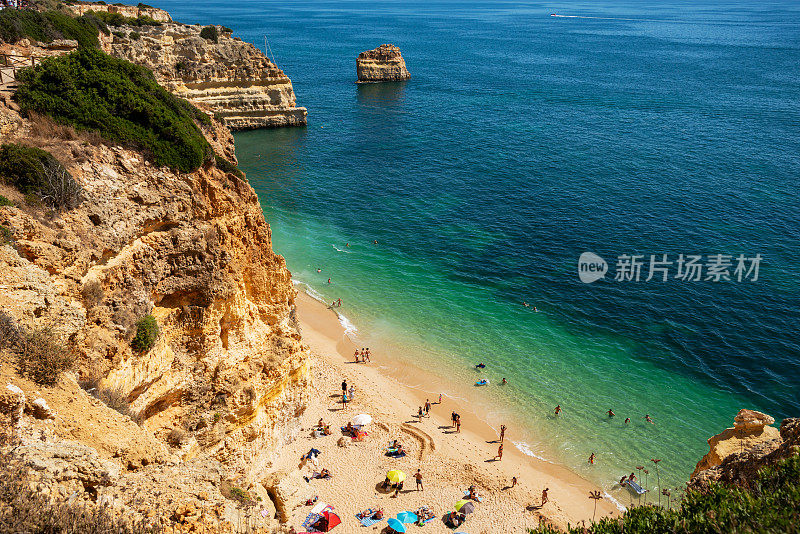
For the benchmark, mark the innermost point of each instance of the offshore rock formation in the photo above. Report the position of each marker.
(228, 375)
(738, 453)
(231, 78)
(383, 64)
(134, 12)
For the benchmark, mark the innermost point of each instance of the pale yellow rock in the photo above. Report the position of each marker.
(231, 78)
(751, 430)
(382, 64)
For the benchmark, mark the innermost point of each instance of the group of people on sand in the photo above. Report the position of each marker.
(347, 392)
(363, 356)
(425, 409)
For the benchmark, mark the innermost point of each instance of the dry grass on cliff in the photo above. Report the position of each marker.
(23, 509)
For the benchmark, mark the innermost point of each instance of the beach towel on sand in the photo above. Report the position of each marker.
(477, 497)
(313, 517)
(368, 521)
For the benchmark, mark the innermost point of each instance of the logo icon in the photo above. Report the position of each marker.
(591, 267)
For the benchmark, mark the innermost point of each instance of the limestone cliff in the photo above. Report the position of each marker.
(141, 10)
(229, 373)
(737, 453)
(233, 79)
(382, 64)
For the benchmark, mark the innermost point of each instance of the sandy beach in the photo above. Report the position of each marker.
(449, 461)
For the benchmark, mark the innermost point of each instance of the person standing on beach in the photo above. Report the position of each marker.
(458, 423)
(398, 488)
(453, 418)
(544, 496)
(500, 452)
(558, 409)
(427, 406)
(351, 391)
(367, 356)
(344, 387)
(513, 481)
(440, 398)
(502, 433)
(418, 478)
(419, 414)
(356, 355)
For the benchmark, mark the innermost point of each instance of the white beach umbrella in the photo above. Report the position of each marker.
(362, 419)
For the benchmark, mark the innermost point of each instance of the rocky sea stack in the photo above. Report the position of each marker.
(383, 64)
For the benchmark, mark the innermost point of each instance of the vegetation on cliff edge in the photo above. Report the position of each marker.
(47, 26)
(36, 172)
(123, 102)
(769, 504)
(117, 19)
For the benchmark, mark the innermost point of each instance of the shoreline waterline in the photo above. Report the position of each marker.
(318, 315)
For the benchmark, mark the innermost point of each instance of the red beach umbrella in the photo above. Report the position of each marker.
(332, 518)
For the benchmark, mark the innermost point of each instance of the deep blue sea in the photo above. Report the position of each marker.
(521, 141)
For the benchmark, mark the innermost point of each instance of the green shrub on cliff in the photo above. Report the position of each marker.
(226, 166)
(47, 26)
(117, 19)
(93, 91)
(146, 334)
(39, 176)
(210, 33)
(770, 504)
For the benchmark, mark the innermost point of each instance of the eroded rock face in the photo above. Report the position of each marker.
(229, 368)
(126, 11)
(750, 433)
(382, 64)
(231, 78)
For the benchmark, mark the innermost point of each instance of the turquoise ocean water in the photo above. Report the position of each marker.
(521, 141)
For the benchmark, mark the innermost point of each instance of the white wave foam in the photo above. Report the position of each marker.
(618, 504)
(341, 250)
(525, 449)
(349, 328)
(310, 291)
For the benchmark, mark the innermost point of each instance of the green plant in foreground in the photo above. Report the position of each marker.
(146, 334)
(93, 91)
(5, 202)
(769, 504)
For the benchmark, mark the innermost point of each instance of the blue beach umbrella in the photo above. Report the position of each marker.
(407, 517)
(396, 525)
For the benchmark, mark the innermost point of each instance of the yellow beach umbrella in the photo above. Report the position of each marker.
(395, 476)
(465, 507)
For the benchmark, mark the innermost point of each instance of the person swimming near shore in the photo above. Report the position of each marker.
(319, 270)
(480, 366)
(526, 304)
(611, 414)
(329, 280)
(627, 420)
(591, 458)
(647, 417)
(504, 382)
(558, 409)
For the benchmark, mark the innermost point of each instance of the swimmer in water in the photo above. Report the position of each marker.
(375, 242)
(319, 270)
(504, 382)
(526, 304)
(647, 417)
(558, 409)
(591, 459)
(329, 280)
(627, 420)
(611, 414)
(480, 366)
(535, 309)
